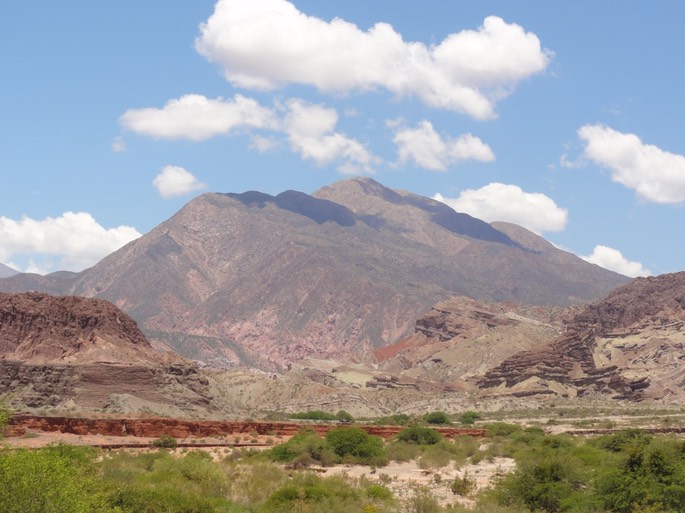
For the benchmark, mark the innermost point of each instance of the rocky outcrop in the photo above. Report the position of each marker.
(629, 345)
(38, 328)
(86, 353)
(461, 337)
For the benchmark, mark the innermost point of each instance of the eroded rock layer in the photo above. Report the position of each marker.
(629, 345)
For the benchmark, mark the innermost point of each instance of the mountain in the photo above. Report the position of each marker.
(265, 280)
(6, 271)
(628, 345)
(60, 351)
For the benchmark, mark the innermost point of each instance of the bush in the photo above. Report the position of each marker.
(502, 429)
(419, 435)
(468, 418)
(313, 415)
(462, 486)
(399, 419)
(304, 448)
(343, 416)
(378, 492)
(437, 417)
(354, 442)
(165, 442)
(46, 481)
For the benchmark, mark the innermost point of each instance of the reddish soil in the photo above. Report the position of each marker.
(181, 428)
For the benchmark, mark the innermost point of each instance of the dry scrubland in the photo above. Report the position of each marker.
(523, 463)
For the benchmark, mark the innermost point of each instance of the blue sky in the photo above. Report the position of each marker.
(564, 117)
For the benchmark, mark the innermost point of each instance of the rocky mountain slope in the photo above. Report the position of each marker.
(461, 338)
(266, 280)
(629, 345)
(61, 351)
(6, 271)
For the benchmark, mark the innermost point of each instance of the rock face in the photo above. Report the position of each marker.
(38, 328)
(629, 345)
(461, 338)
(87, 353)
(260, 280)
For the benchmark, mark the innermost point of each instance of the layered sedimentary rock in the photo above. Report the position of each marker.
(86, 353)
(629, 345)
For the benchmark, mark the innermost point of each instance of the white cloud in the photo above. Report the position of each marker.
(311, 133)
(501, 202)
(175, 181)
(75, 238)
(655, 175)
(266, 44)
(612, 259)
(428, 149)
(118, 145)
(196, 117)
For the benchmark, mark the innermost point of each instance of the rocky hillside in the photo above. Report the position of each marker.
(461, 338)
(629, 345)
(6, 272)
(266, 280)
(62, 351)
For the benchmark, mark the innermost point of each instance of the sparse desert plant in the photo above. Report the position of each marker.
(421, 500)
(463, 485)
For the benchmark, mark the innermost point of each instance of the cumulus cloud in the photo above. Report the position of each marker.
(175, 181)
(266, 44)
(311, 133)
(429, 150)
(197, 117)
(74, 238)
(655, 175)
(612, 259)
(501, 202)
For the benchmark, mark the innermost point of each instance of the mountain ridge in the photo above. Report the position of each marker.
(274, 279)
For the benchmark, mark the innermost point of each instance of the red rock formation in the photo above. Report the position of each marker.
(181, 428)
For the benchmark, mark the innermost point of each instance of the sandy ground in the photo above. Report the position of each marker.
(402, 477)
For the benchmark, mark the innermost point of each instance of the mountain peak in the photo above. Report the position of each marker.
(401, 210)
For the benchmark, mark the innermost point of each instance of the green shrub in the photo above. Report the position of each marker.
(165, 442)
(47, 481)
(419, 435)
(437, 417)
(305, 447)
(378, 492)
(501, 429)
(313, 415)
(343, 416)
(462, 486)
(468, 418)
(398, 419)
(355, 443)
(402, 451)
